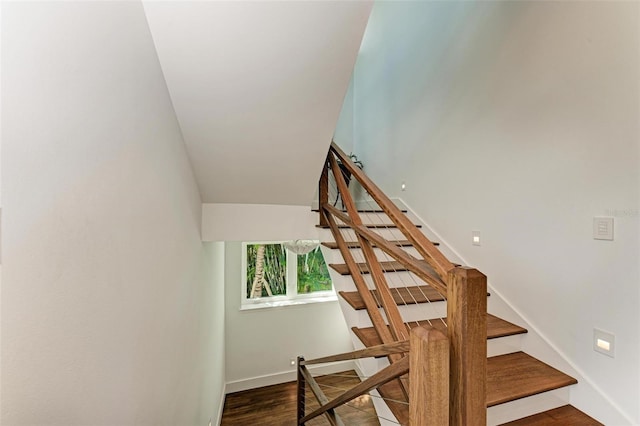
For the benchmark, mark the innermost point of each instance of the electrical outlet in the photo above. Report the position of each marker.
(292, 362)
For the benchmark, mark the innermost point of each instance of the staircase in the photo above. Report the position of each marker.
(520, 389)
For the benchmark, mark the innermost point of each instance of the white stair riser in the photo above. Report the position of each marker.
(371, 217)
(409, 313)
(398, 279)
(504, 345)
(336, 257)
(393, 279)
(388, 233)
(351, 316)
(423, 311)
(524, 407)
(378, 217)
(374, 217)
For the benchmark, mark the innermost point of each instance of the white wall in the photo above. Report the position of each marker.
(108, 306)
(520, 120)
(257, 222)
(344, 135)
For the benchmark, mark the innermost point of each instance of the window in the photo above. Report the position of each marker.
(284, 273)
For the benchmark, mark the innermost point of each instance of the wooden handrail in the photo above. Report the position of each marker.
(421, 243)
(373, 351)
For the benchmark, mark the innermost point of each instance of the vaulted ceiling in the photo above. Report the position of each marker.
(257, 88)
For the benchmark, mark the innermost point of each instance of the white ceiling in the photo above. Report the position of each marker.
(257, 88)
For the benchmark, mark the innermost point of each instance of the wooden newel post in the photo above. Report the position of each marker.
(467, 326)
(301, 390)
(323, 193)
(428, 378)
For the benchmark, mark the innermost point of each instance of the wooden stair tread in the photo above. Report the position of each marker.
(514, 376)
(496, 327)
(387, 266)
(356, 244)
(369, 225)
(518, 375)
(566, 415)
(401, 295)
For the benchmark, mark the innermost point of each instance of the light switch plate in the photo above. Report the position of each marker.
(603, 228)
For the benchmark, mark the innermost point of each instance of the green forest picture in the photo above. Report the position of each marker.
(267, 271)
(313, 274)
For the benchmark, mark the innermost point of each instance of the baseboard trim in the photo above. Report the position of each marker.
(285, 376)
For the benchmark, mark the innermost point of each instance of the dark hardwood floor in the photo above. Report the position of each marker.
(276, 405)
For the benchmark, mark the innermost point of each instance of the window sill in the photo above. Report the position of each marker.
(266, 303)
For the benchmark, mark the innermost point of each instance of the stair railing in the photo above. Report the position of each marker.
(427, 365)
(464, 288)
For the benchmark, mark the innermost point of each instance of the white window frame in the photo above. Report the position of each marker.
(292, 297)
